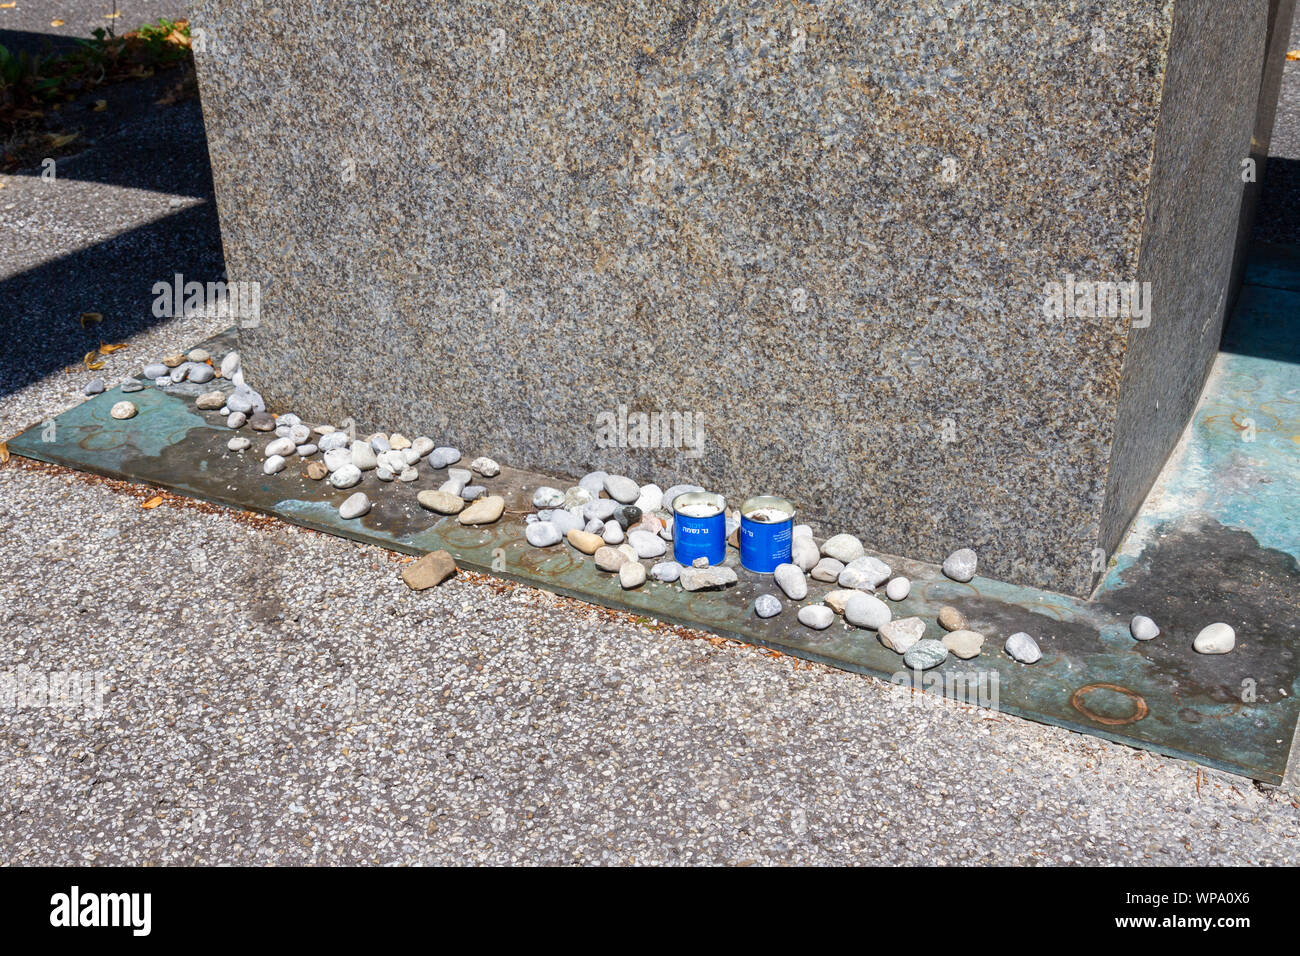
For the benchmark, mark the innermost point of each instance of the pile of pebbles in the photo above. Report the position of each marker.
(612, 518)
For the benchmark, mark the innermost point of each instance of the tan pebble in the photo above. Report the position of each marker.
(398, 442)
(433, 568)
(610, 559)
(171, 361)
(316, 470)
(836, 600)
(123, 410)
(964, 644)
(951, 619)
(443, 502)
(484, 511)
(584, 542)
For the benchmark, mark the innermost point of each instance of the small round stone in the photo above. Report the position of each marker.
(898, 589)
(238, 443)
(1143, 628)
(867, 610)
(1023, 648)
(542, 534)
(667, 571)
(236, 420)
(485, 467)
(123, 410)
(211, 401)
(198, 355)
(316, 470)
(790, 579)
(924, 654)
(355, 506)
(631, 575)
(961, 565)
(951, 619)
(817, 616)
(622, 489)
(767, 605)
(345, 476)
(443, 502)
(273, 465)
(281, 447)
(1218, 638)
(134, 385)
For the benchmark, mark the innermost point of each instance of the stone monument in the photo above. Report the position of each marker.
(945, 273)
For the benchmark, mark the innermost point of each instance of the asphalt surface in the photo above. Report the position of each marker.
(273, 695)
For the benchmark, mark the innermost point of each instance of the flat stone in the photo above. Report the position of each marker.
(867, 610)
(951, 619)
(622, 489)
(123, 410)
(610, 559)
(198, 355)
(925, 654)
(790, 579)
(346, 476)
(964, 644)
(483, 511)
(1218, 638)
(354, 506)
(1023, 648)
(667, 571)
(707, 579)
(280, 446)
(843, 547)
(443, 502)
(306, 451)
(826, 570)
(211, 401)
(767, 605)
(132, 385)
(585, 542)
(1143, 628)
(631, 575)
(156, 370)
(238, 443)
(901, 635)
(261, 421)
(817, 616)
(542, 534)
(961, 565)
(898, 589)
(428, 571)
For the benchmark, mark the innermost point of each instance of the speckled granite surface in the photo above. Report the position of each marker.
(825, 229)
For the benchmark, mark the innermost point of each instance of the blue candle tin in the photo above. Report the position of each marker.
(766, 533)
(699, 527)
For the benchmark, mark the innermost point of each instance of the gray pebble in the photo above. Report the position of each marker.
(817, 616)
(93, 387)
(866, 610)
(134, 385)
(925, 654)
(273, 464)
(1023, 648)
(542, 534)
(790, 579)
(622, 489)
(473, 492)
(238, 443)
(547, 497)
(667, 571)
(1143, 628)
(345, 476)
(355, 506)
(767, 605)
(236, 420)
(961, 565)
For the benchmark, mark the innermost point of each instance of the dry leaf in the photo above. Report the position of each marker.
(113, 16)
(91, 362)
(62, 139)
(110, 349)
(153, 502)
(4, 452)
(1293, 55)
(7, 6)
(91, 317)
(101, 105)
(56, 22)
